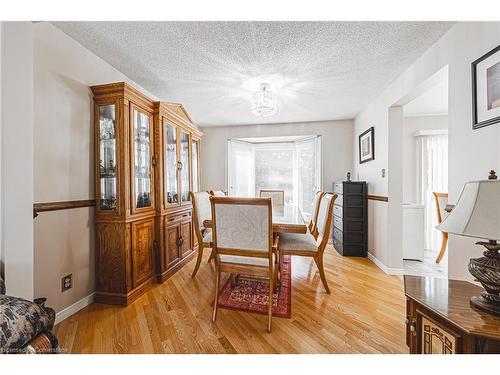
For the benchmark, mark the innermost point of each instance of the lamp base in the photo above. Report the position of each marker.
(486, 270)
(485, 304)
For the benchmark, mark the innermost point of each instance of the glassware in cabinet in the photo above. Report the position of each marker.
(142, 159)
(107, 156)
(184, 166)
(171, 164)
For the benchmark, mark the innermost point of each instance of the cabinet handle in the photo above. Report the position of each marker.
(180, 241)
(413, 330)
(407, 321)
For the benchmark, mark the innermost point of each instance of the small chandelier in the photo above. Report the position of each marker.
(264, 102)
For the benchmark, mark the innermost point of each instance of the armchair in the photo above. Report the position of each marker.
(25, 326)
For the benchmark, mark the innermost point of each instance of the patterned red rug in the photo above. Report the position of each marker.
(251, 295)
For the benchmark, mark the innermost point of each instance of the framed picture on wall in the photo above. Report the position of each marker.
(486, 89)
(367, 146)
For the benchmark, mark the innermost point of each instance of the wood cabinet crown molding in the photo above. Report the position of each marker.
(122, 90)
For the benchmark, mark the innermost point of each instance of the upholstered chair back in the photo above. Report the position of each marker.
(242, 224)
(201, 207)
(277, 197)
(218, 193)
(325, 213)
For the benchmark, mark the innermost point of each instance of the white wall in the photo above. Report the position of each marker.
(411, 125)
(336, 148)
(17, 157)
(472, 153)
(63, 161)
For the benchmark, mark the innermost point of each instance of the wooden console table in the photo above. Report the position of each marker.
(440, 319)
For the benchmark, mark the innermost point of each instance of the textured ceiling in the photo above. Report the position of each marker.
(319, 70)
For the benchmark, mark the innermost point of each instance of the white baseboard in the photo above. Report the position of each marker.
(74, 308)
(383, 267)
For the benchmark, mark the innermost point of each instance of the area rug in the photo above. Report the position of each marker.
(251, 294)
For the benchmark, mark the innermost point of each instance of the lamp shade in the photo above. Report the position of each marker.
(477, 212)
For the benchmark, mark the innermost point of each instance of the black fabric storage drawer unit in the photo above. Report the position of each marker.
(350, 218)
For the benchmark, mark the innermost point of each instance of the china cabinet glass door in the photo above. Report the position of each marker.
(171, 164)
(184, 166)
(107, 156)
(195, 166)
(142, 159)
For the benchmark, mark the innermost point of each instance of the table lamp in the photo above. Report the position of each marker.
(477, 214)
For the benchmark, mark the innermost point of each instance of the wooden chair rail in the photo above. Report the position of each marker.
(66, 205)
(380, 198)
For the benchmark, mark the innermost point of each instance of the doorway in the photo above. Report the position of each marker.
(425, 178)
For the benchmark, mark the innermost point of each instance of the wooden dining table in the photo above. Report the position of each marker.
(286, 219)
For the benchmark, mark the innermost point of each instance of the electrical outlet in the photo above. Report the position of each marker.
(383, 173)
(67, 282)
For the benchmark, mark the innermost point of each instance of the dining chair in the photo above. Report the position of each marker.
(441, 200)
(218, 193)
(201, 212)
(243, 242)
(312, 226)
(306, 244)
(277, 197)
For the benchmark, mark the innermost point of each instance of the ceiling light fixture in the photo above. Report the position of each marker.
(264, 102)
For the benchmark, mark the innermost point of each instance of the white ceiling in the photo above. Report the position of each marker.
(319, 70)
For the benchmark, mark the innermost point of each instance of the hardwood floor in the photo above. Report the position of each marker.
(365, 313)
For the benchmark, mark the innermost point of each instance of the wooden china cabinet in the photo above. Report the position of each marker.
(143, 214)
(178, 143)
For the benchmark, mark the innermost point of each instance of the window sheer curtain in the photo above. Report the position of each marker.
(432, 165)
(294, 167)
(308, 172)
(241, 168)
(274, 168)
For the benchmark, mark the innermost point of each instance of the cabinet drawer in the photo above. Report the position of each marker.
(338, 222)
(353, 250)
(178, 217)
(353, 200)
(338, 246)
(339, 201)
(353, 226)
(353, 212)
(337, 234)
(338, 188)
(353, 188)
(353, 237)
(337, 211)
